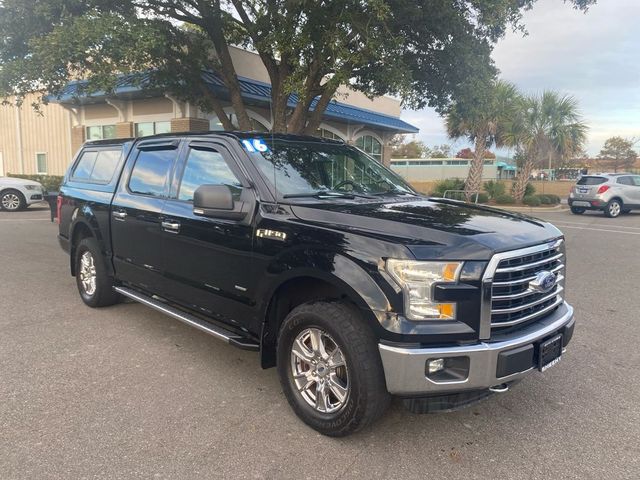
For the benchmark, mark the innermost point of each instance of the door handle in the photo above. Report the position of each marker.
(121, 216)
(171, 227)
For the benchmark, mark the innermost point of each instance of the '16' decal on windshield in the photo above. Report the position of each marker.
(255, 145)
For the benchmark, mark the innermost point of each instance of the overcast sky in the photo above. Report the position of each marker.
(594, 57)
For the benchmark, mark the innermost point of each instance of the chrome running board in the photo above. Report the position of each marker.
(191, 320)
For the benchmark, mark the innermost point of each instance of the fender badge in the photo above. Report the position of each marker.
(272, 234)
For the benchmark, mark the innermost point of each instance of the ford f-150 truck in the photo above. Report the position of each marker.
(308, 251)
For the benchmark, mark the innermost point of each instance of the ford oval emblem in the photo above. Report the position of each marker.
(543, 282)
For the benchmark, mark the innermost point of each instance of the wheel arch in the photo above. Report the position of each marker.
(348, 283)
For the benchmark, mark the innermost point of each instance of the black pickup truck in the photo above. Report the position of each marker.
(310, 252)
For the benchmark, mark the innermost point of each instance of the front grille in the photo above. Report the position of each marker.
(513, 300)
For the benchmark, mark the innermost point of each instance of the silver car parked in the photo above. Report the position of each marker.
(612, 193)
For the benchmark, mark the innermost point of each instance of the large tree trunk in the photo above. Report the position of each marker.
(523, 179)
(213, 27)
(474, 177)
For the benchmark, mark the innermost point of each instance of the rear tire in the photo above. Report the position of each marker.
(12, 201)
(577, 210)
(334, 393)
(613, 209)
(94, 283)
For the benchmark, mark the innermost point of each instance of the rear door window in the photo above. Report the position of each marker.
(625, 180)
(96, 166)
(151, 171)
(591, 180)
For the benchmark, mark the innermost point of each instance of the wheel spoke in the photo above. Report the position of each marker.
(317, 343)
(336, 359)
(301, 351)
(338, 390)
(322, 397)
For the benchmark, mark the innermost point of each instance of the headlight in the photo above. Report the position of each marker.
(416, 279)
(32, 187)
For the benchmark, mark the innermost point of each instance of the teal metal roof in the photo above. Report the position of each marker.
(253, 91)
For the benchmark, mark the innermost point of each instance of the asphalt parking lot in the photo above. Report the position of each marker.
(125, 392)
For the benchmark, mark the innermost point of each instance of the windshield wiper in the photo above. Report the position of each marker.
(393, 191)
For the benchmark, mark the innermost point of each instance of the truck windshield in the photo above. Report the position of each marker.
(300, 169)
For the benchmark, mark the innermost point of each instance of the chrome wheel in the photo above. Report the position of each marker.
(319, 370)
(87, 273)
(614, 209)
(10, 201)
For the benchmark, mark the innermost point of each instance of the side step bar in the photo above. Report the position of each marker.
(191, 320)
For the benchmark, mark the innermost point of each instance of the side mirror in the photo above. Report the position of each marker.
(216, 201)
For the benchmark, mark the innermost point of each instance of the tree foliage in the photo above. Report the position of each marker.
(411, 149)
(546, 127)
(469, 154)
(617, 154)
(482, 115)
(421, 51)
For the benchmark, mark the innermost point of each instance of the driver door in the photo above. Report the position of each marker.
(208, 261)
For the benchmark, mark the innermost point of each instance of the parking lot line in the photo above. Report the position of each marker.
(598, 225)
(558, 224)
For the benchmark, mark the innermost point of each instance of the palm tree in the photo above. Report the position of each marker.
(547, 126)
(482, 119)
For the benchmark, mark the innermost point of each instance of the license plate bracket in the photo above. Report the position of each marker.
(549, 352)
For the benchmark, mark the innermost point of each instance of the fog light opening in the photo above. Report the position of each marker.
(447, 369)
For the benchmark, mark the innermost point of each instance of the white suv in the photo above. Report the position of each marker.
(17, 193)
(612, 193)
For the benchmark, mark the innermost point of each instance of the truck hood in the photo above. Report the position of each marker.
(16, 182)
(434, 228)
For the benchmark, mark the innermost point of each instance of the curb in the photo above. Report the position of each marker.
(557, 208)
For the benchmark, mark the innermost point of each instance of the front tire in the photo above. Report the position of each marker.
(577, 210)
(94, 283)
(12, 201)
(330, 368)
(613, 208)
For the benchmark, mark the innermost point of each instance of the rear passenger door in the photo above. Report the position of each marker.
(629, 192)
(136, 214)
(209, 260)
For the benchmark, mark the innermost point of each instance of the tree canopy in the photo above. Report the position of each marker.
(421, 51)
(617, 154)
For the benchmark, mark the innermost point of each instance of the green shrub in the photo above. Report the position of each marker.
(482, 197)
(531, 200)
(555, 199)
(51, 183)
(494, 189)
(544, 199)
(505, 200)
(529, 190)
(448, 184)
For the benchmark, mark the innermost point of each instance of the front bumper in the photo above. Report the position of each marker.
(491, 363)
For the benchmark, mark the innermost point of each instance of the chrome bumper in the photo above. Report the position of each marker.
(404, 367)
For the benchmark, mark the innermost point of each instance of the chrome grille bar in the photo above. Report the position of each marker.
(510, 305)
(557, 292)
(528, 266)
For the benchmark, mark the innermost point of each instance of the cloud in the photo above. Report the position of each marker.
(592, 56)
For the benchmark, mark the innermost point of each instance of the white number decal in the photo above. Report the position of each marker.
(255, 145)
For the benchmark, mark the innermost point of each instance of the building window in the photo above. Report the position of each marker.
(144, 129)
(100, 132)
(324, 133)
(371, 146)
(41, 163)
